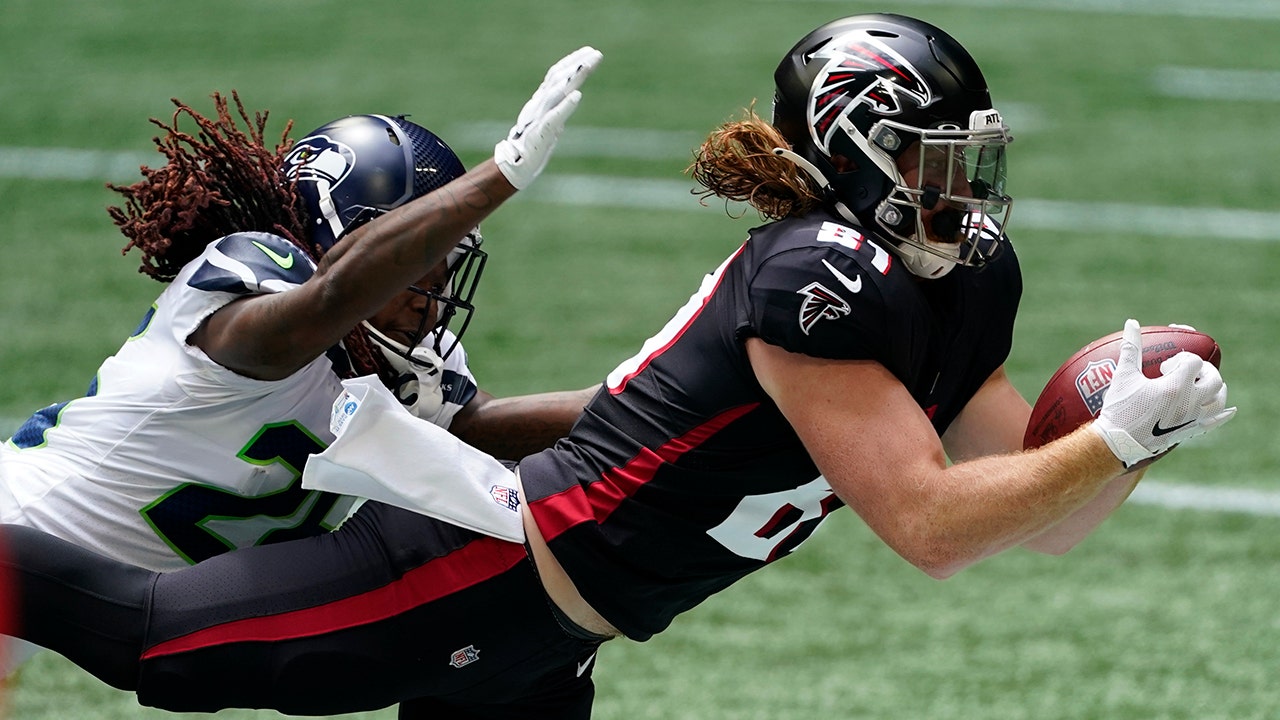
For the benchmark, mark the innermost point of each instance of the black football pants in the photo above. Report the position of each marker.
(394, 607)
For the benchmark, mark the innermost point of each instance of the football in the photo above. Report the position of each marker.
(1073, 395)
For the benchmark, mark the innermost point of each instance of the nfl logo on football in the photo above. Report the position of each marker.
(1093, 382)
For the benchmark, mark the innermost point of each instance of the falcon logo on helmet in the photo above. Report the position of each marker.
(861, 70)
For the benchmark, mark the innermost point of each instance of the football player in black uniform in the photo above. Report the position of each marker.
(848, 353)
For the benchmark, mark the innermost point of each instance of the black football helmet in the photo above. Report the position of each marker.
(356, 168)
(872, 87)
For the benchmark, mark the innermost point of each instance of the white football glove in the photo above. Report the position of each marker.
(529, 144)
(1143, 417)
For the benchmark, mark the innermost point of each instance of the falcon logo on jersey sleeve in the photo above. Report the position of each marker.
(820, 304)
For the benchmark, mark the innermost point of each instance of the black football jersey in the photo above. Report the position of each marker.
(683, 476)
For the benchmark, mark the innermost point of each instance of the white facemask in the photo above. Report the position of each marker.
(418, 376)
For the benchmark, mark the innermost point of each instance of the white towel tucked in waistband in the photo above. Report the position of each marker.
(384, 453)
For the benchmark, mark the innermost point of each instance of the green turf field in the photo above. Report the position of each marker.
(1145, 172)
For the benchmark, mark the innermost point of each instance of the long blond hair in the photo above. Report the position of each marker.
(736, 162)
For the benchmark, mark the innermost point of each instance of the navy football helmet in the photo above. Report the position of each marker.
(872, 87)
(356, 168)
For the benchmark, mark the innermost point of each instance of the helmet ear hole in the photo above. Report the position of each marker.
(900, 219)
(887, 140)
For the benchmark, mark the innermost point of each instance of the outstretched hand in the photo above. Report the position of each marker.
(525, 151)
(1143, 417)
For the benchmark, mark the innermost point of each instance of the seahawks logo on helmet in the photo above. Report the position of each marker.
(820, 304)
(325, 163)
(861, 71)
(319, 159)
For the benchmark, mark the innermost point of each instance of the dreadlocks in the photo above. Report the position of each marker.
(736, 162)
(218, 181)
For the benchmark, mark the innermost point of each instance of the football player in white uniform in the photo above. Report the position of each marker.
(172, 457)
(191, 439)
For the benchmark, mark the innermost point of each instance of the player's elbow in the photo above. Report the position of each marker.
(939, 567)
(936, 556)
(1051, 545)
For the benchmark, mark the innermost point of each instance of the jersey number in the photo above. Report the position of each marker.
(767, 527)
(199, 521)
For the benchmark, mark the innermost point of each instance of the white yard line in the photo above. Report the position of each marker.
(1151, 220)
(1186, 496)
(1056, 215)
(72, 164)
(674, 194)
(586, 141)
(655, 194)
(1214, 84)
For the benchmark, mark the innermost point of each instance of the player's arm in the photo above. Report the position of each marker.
(883, 458)
(513, 427)
(272, 336)
(994, 422)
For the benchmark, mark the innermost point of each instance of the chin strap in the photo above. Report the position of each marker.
(812, 171)
(329, 211)
(809, 168)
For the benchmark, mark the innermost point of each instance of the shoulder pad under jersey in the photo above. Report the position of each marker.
(827, 290)
(251, 263)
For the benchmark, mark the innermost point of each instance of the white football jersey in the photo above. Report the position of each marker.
(171, 458)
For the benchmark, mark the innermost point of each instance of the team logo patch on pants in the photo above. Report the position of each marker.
(465, 656)
(505, 496)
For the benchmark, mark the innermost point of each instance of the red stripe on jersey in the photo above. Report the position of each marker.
(669, 335)
(575, 505)
(469, 565)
